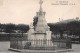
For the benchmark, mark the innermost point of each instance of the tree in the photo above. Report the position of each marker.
(23, 28)
(58, 28)
(35, 21)
(9, 28)
(74, 28)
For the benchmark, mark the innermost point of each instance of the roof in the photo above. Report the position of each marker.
(66, 21)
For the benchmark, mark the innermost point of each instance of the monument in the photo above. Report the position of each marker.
(41, 31)
(39, 36)
(41, 28)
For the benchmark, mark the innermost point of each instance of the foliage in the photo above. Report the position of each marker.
(35, 21)
(73, 28)
(12, 28)
(23, 28)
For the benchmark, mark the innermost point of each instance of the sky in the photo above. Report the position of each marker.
(23, 11)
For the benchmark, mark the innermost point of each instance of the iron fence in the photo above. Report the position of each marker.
(20, 43)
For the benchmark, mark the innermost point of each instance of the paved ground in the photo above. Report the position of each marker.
(5, 45)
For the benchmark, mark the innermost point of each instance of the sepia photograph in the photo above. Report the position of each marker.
(39, 26)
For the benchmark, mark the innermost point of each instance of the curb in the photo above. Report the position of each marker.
(15, 50)
(35, 51)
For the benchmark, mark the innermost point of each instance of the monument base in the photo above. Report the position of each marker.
(40, 51)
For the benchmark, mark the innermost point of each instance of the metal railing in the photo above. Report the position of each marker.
(20, 43)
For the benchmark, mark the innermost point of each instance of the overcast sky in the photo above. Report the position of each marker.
(23, 11)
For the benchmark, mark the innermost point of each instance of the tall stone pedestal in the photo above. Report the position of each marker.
(41, 39)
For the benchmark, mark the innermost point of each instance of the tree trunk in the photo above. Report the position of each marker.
(79, 38)
(61, 35)
(22, 33)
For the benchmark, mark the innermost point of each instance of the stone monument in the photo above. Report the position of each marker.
(42, 30)
(39, 37)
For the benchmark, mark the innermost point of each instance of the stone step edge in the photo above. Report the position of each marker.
(17, 50)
